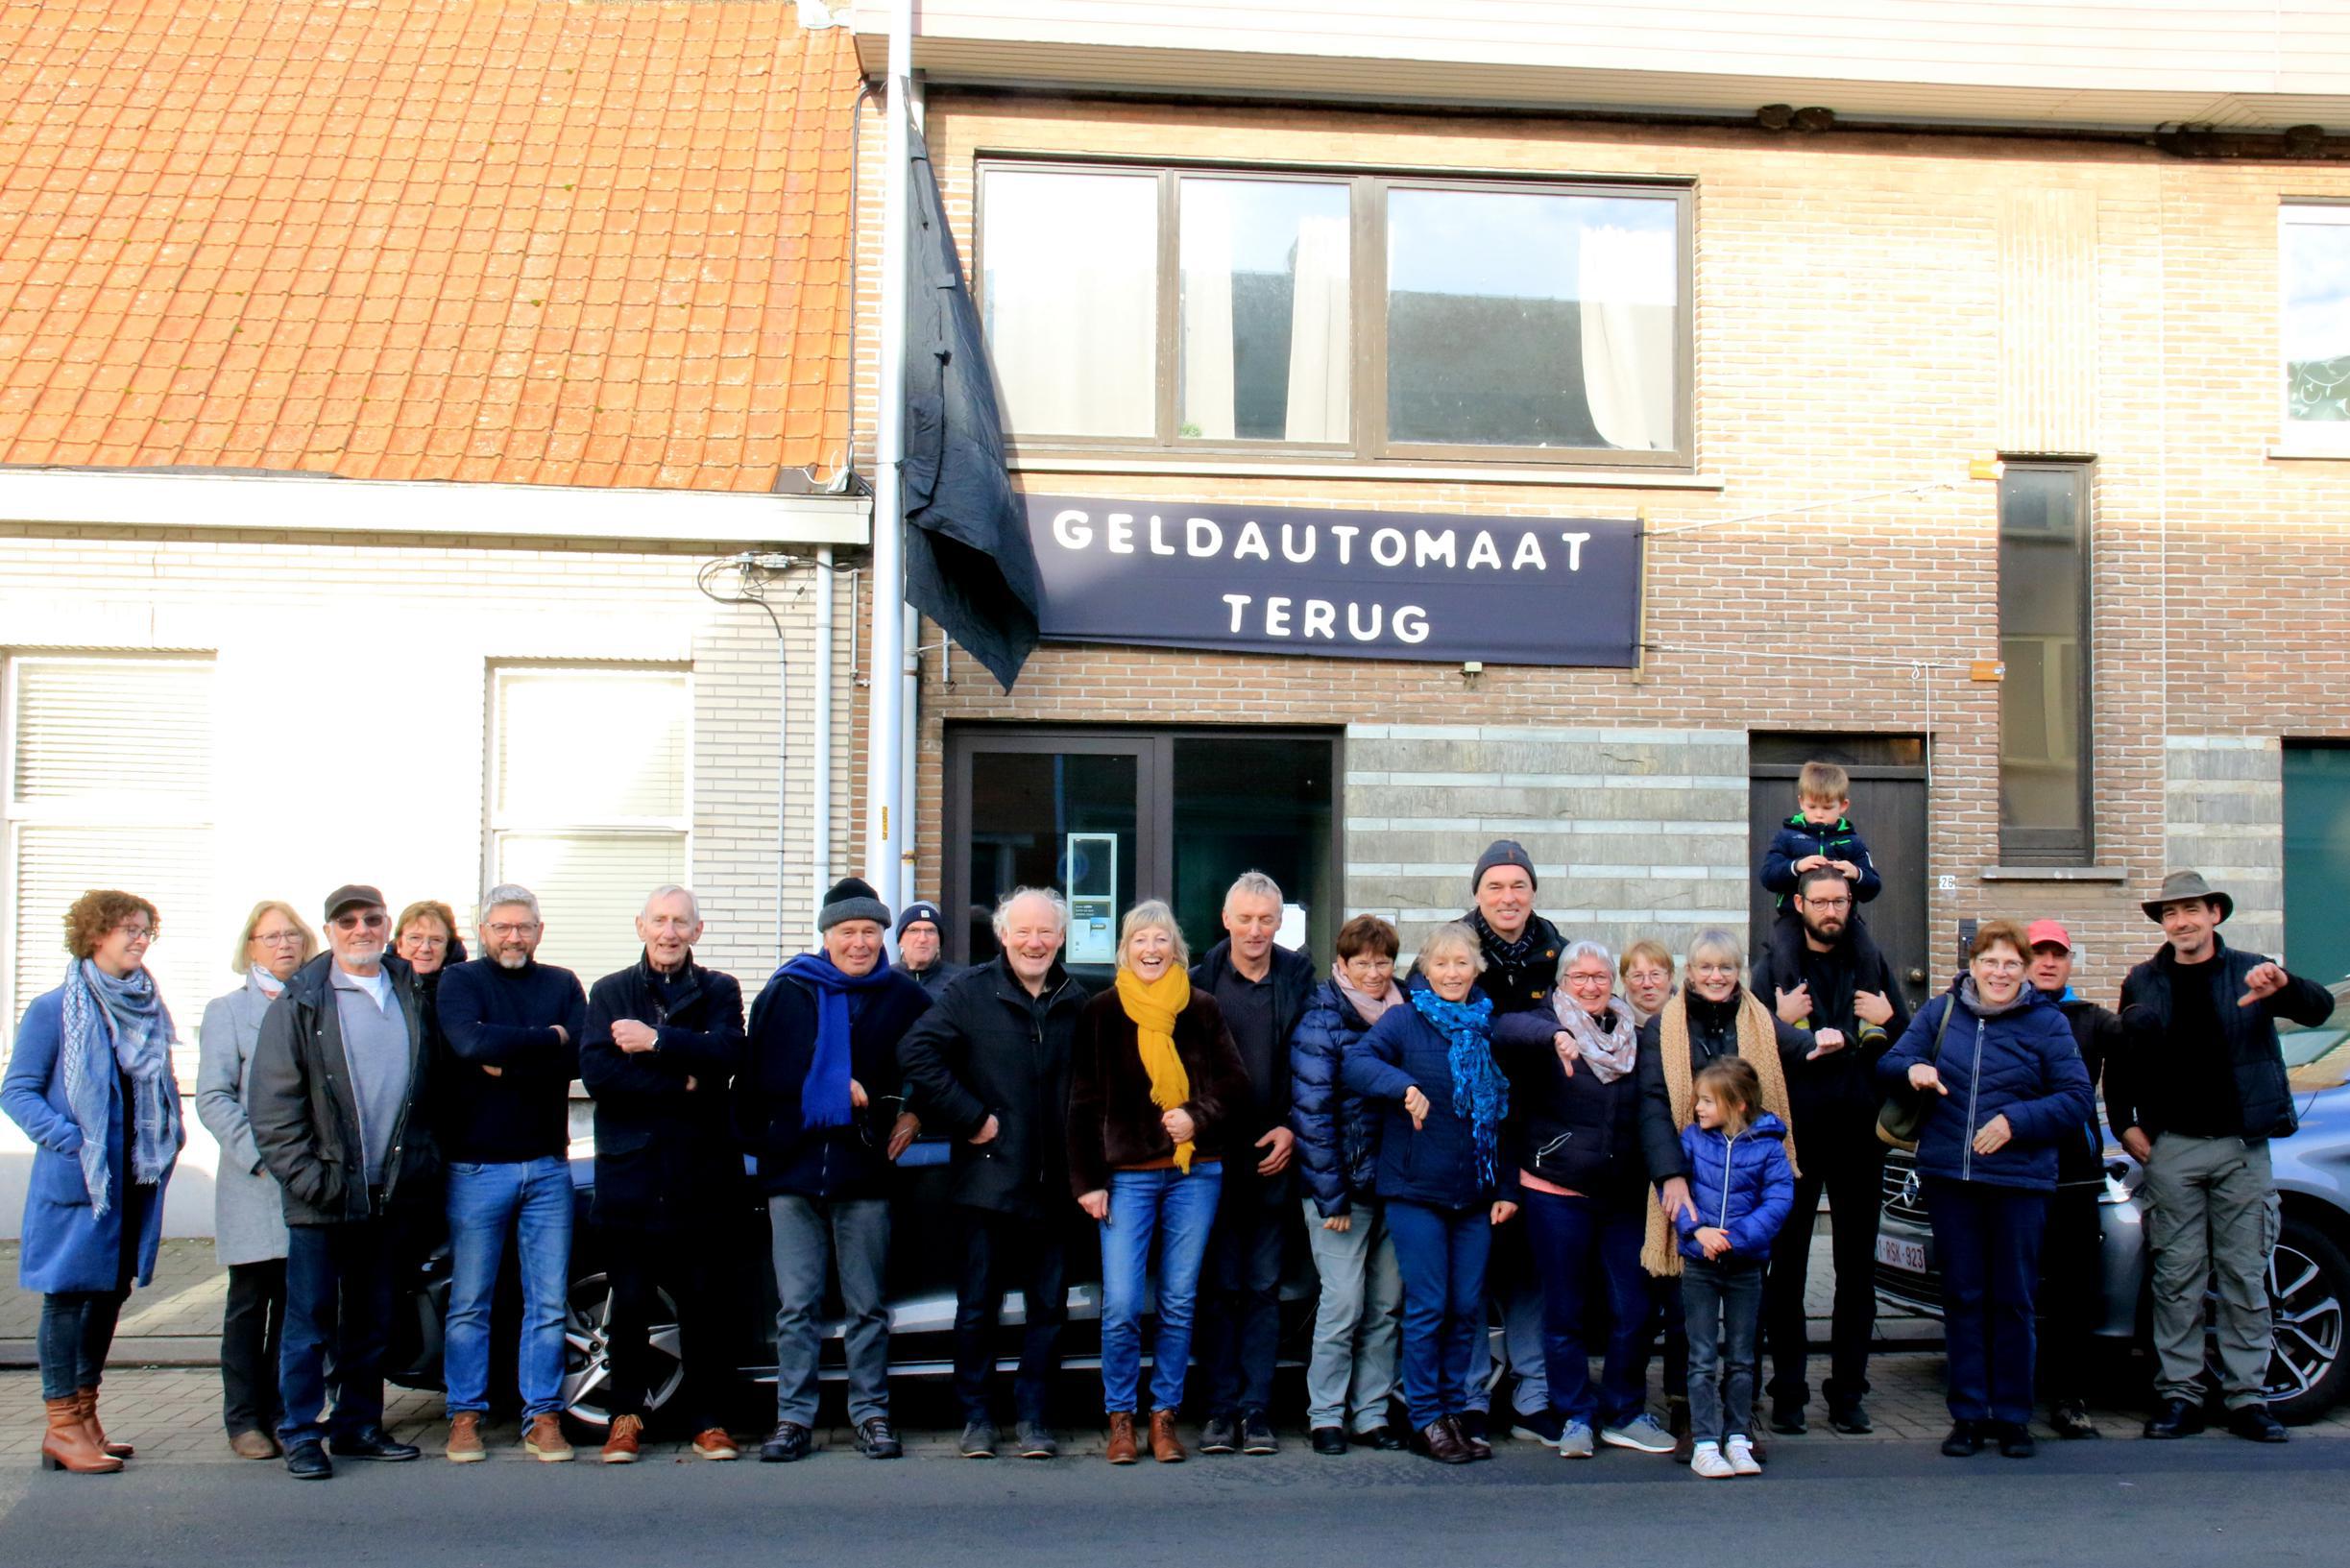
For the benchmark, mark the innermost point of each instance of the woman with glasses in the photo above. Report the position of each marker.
(248, 1211)
(90, 1084)
(1993, 1065)
(425, 935)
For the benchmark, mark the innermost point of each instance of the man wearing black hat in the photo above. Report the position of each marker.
(342, 1063)
(815, 1107)
(921, 950)
(2196, 1092)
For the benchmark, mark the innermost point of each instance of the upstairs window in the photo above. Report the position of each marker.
(2314, 263)
(1337, 317)
(2043, 640)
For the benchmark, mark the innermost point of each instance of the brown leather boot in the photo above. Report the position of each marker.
(89, 1418)
(1165, 1446)
(67, 1444)
(1122, 1439)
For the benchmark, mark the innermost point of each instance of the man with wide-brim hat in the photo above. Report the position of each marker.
(2195, 1095)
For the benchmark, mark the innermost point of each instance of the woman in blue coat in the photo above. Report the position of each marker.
(90, 1084)
(1994, 1065)
(1442, 1181)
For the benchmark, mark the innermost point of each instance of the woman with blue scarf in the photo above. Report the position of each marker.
(90, 1084)
(1429, 1070)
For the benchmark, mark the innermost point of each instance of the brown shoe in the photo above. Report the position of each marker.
(1122, 1439)
(465, 1438)
(716, 1445)
(1165, 1446)
(622, 1442)
(67, 1444)
(1442, 1441)
(89, 1418)
(253, 1444)
(545, 1441)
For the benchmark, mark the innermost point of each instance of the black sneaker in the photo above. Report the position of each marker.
(789, 1442)
(1036, 1441)
(1965, 1442)
(978, 1439)
(2070, 1421)
(371, 1443)
(1219, 1435)
(1787, 1419)
(1850, 1417)
(1330, 1440)
(2016, 1440)
(1256, 1435)
(2258, 1424)
(875, 1439)
(308, 1461)
(1543, 1427)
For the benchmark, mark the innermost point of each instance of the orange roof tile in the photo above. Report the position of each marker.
(426, 239)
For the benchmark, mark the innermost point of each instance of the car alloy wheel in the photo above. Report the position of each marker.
(587, 1352)
(2309, 1303)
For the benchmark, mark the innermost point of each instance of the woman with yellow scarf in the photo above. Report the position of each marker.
(1153, 1084)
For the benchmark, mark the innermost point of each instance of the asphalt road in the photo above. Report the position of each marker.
(1883, 1505)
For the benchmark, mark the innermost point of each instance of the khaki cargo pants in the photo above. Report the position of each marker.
(2212, 1219)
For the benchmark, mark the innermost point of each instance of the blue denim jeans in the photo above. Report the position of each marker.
(1721, 1299)
(1179, 1212)
(77, 1330)
(1512, 1285)
(812, 1240)
(1578, 1243)
(531, 1198)
(338, 1312)
(1442, 1253)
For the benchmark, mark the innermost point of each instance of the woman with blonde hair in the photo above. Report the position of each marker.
(1154, 1082)
(248, 1211)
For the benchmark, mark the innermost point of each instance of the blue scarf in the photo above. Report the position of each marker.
(824, 1095)
(1479, 1095)
(114, 1026)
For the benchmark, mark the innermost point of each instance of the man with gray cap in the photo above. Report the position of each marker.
(922, 948)
(813, 1105)
(338, 1072)
(2195, 1095)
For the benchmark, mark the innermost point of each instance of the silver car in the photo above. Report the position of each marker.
(2308, 1273)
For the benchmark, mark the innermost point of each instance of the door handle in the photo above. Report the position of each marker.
(1917, 977)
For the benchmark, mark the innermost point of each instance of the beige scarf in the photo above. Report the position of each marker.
(1759, 1048)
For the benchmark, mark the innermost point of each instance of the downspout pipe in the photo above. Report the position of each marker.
(821, 763)
(886, 688)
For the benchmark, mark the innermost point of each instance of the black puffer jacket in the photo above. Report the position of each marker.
(987, 1048)
(1338, 1135)
(1573, 1131)
(2138, 1077)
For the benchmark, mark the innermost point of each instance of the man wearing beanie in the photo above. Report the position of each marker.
(816, 1105)
(922, 949)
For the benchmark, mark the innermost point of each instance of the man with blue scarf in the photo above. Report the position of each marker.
(819, 1105)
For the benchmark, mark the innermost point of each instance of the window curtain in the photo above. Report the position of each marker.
(1629, 298)
(1208, 345)
(1320, 363)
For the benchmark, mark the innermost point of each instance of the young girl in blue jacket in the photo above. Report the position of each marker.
(1742, 1188)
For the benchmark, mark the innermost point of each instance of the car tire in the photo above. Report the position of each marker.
(587, 1354)
(2309, 1300)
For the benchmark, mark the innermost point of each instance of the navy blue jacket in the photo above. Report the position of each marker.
(1435, 1163)
(1570, 1130)
(1742, 1185)
(491, 1015)
(2022, 1064)
(1800, 840)
(2139, 1076)
(849, 1162)
(1338, 1134)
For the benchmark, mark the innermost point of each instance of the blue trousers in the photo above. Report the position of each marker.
(1580, 1242)
(1987, 1240)
(1178, 1212)
(338, 1312)
(1442, 1253)
(531, 1198)
(1722, 1302)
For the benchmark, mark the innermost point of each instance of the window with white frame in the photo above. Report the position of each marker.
(2313, 324)
(110, 785)
(588, 800)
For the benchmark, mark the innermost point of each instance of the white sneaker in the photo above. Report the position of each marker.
(1741, 1456)
(1707, 1461)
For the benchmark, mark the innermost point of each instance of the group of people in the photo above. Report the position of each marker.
(1525, 1126)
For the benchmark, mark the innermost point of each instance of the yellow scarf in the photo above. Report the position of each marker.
(1153, 1009)
(1759, 1045)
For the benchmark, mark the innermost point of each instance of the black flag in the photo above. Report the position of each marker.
(969, 564)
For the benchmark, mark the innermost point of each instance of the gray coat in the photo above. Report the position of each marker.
(248, 1209)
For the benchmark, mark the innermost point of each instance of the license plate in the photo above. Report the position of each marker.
(1897, 1253)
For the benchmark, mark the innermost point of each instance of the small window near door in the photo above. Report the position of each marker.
(2044, 641)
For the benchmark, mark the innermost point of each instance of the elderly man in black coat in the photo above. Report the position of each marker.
(988, 1064)
(664, 1035)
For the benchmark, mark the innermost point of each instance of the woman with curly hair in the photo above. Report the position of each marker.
(90, 1084)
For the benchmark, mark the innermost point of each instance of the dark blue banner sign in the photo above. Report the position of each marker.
(1349, 585)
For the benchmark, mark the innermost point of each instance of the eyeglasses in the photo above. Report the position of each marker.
(1827, 903)
(511, 928)
(418, 939)
(1584, 982)
(135, 933)
(2000, 966)
(278, 940)
(374, 920)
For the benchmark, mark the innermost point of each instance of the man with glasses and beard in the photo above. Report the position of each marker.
(340, 1065)
(1822, 970)
(513, 1025)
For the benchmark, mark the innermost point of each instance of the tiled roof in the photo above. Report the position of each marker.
(583, 243)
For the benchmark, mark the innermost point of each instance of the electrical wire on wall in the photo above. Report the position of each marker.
(756, 573)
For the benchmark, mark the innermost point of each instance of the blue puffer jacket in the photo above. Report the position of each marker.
(2020, 1063)
(1742, 1185)
(1798, 839)
(1435, 1163)
(1338, 1135)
